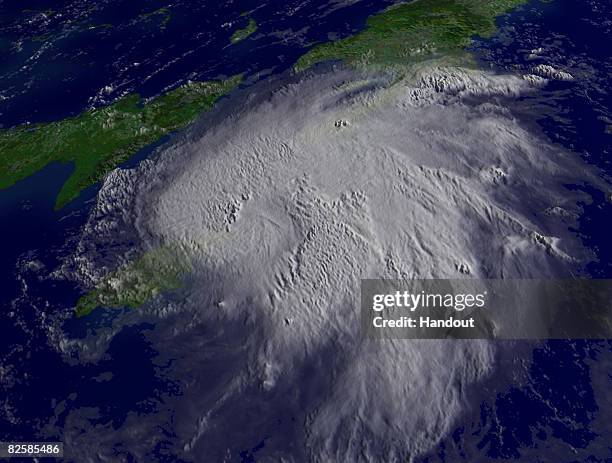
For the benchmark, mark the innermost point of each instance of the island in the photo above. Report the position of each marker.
(99, 139)
(138, 281)
(242, 34)
(413, 32)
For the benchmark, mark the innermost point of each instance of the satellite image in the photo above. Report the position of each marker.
(306, 231)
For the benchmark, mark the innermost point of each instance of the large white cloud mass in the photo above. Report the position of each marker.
(293, 196)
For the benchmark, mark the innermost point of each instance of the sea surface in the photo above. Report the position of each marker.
(560, 408)
(60, 58)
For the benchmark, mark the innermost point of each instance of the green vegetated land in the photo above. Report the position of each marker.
(412, 32)
(242, 34)
(162, 13)
(137, 282)
(98, 140)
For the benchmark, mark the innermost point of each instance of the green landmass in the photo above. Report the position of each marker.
(137, 282)
(413, 32)
(163, 13)
(242, 34)
(41, 37)
(98, 140)
(92, 27)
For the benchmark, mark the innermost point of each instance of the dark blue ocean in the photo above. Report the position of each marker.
(561, 410)
(57, 63)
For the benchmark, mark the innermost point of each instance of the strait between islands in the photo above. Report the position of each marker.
(98, 140)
